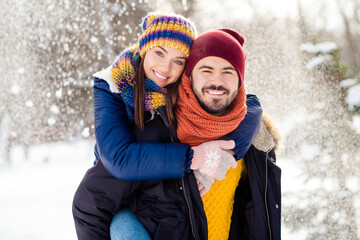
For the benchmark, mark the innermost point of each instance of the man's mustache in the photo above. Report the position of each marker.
(219, 88)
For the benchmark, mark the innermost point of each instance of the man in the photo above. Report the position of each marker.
(211, 104)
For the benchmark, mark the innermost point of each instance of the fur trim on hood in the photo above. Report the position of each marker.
(269, 136)
(106, 76)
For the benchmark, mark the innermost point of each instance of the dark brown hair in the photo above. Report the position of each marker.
(170, 100)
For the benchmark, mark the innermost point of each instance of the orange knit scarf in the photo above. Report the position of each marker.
(196, 126)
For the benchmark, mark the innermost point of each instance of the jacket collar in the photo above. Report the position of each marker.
(269, 136)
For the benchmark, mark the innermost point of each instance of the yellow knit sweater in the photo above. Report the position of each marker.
(218, 203)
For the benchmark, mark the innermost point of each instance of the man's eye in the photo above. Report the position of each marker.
(228, 72)
(206, 71)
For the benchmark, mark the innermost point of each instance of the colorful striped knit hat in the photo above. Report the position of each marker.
(168, 30)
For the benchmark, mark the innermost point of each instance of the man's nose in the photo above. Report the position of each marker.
(217, 80)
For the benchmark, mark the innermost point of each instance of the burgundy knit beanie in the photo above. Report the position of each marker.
(223, 43)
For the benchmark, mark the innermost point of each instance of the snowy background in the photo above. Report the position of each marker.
(302, 62)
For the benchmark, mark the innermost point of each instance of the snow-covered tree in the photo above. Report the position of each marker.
(328, 149)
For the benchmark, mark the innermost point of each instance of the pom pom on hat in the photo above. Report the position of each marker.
(169, 30)
(224, 43)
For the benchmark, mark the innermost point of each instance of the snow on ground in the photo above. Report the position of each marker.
(36, 194)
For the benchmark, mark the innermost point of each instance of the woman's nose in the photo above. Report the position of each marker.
(166, 65)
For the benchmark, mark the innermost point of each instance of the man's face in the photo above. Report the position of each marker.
(215, 83)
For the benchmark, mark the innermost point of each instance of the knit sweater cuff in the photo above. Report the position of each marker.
(188, 159)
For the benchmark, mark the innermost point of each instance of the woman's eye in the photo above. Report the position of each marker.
(228, 72)
(159, 53)
(179, 63)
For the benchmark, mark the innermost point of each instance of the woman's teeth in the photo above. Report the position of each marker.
(160, 76)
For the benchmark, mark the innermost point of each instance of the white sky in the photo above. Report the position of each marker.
(311, 9)
(320, 13)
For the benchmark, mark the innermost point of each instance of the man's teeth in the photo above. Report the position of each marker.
(160, 76)
(216, 93)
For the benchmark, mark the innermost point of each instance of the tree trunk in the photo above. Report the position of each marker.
(349, 38)
(302, 24)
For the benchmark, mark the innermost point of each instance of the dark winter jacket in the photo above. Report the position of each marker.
(257, 205)
(173, 207)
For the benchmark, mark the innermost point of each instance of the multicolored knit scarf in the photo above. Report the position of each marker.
(196, 126)
(123, 73)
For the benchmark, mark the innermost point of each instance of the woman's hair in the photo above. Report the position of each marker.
(170, 101)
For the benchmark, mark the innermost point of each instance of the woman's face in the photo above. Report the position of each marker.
(164, 65)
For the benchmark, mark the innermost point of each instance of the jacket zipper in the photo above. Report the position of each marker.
(166, 123)
(182, 180)
(266, 188)
(188, 205)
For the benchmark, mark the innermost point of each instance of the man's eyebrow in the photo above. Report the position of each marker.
(207, 67)
(229, 68)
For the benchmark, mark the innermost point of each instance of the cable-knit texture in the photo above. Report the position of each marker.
(218, 203)
(196, 126)
(170, 30)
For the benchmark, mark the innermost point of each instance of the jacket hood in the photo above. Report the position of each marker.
(105, 75)
(269, 136)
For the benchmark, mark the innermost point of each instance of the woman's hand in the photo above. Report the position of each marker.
(211, 162)
(208, 154)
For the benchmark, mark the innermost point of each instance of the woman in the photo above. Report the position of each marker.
(128, 130)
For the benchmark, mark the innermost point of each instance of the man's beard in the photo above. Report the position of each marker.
(214, 106)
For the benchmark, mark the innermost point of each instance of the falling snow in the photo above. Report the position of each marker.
(50, 49)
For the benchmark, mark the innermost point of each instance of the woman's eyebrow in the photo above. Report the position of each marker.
(167, 52)
(162, 49)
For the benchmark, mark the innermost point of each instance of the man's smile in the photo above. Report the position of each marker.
(215, 93)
